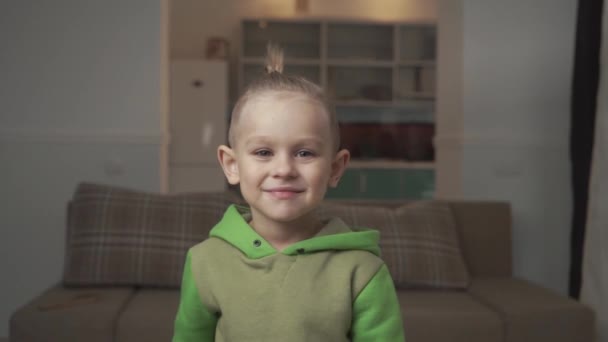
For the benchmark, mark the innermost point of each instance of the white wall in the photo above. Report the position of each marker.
(80, 99)
(516, 71)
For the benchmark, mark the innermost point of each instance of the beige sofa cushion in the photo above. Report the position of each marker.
(149, 316)
(455, 316)
(120, 237)
(419, 242)
(66, 315)
(533, 313)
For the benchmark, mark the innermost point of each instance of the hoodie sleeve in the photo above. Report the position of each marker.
(193, 322)
(376, 311)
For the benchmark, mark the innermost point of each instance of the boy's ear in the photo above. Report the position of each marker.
(338, 166)
(227, 158)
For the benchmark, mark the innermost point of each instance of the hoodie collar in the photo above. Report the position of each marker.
(335, 235)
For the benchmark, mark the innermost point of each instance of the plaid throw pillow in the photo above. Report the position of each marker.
(418, 241)
(117, 236)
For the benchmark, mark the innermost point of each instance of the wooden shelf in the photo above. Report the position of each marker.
(404, 96)
(363, 103)
(417, 63)
(355, 62)
(400, 102)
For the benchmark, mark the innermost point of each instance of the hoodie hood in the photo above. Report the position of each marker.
(335, 235)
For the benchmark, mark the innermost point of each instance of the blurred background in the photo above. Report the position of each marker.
(456, 98)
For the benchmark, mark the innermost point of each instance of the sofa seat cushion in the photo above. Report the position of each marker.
(68, 314)
(149, 316)
(455, 316)
(533, 313)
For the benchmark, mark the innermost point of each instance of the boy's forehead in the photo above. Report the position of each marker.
(283, 103)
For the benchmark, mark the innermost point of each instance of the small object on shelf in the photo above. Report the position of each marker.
(301, 6)
(419, 141)
(217, 48)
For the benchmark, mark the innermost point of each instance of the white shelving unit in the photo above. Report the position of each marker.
(381, 79)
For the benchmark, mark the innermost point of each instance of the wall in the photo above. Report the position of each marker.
(511, 121)
(80, 100)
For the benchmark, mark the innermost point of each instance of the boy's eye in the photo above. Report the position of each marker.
(305, 154)
(263, 153)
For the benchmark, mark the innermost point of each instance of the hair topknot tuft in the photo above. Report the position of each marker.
(274, 59)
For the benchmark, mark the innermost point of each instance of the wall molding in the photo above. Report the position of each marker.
(73, 136)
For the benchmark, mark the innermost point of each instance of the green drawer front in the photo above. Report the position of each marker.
(385, 184)
(348, 186)
(419, 184)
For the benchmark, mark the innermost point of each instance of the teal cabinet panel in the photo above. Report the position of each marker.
(381, 184)
(419, 184)
(385, 184)
(348, 186)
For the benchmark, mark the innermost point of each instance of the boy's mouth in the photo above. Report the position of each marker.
(283, 192)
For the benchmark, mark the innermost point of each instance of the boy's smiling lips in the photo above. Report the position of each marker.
(286, 192)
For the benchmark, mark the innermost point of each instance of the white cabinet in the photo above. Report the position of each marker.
(199, 102)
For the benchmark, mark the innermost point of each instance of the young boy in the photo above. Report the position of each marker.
(274, 271)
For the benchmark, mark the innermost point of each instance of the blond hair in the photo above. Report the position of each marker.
(275, 80)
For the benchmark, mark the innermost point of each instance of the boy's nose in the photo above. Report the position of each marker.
(284, 167)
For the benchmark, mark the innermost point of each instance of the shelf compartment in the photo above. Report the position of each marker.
(399, 112)
(298, 40)
(357, 41)
(397, 133)
(394, 141)
(360, 83)
(416, 82)
(417, 42)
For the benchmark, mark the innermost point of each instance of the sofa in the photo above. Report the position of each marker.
(450, 261)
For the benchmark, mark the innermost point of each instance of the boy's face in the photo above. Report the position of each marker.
(283, 156)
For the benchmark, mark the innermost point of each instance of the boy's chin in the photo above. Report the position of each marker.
(287, 215)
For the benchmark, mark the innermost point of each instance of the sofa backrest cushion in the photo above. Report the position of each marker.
(116, 236)
(418, 241)
(484, 228)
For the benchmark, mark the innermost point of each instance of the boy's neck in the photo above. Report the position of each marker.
(283, 234)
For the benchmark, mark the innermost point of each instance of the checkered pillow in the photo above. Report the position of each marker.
(117, 236)
(418, 241)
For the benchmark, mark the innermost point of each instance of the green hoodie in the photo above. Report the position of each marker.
(332, 287)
